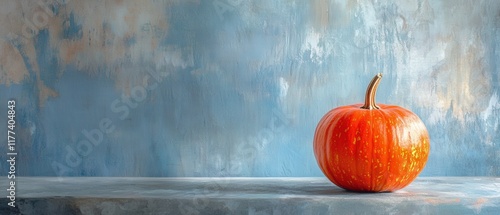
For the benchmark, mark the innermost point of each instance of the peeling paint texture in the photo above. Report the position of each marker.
(236, 88)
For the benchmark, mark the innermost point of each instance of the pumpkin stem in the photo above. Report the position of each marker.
(370, 93)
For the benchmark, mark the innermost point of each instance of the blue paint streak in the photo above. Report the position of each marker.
(72, 30)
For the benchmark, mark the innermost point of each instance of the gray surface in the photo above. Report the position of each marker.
(436, 195)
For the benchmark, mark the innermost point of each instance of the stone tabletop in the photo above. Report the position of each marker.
(118, 195)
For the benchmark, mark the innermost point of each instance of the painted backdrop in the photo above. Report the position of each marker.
(235, 88)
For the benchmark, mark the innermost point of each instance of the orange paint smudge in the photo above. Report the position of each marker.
(437, 201)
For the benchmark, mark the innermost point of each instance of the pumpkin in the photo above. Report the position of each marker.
(369, 147)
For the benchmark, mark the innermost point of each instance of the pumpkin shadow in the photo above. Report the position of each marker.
(335, 190)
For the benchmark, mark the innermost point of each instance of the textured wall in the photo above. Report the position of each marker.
(235, 88)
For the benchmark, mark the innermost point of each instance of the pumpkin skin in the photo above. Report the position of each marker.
(370, 148)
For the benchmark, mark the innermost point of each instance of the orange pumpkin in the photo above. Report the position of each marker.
(369, 147)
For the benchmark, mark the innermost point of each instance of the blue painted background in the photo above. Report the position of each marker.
(235, 88)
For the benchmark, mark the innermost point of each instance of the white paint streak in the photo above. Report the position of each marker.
(316, 46)
(175, 58)
(368, 15)
(119, 25)
(32, 127)
(494, 104)
(283, 88)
